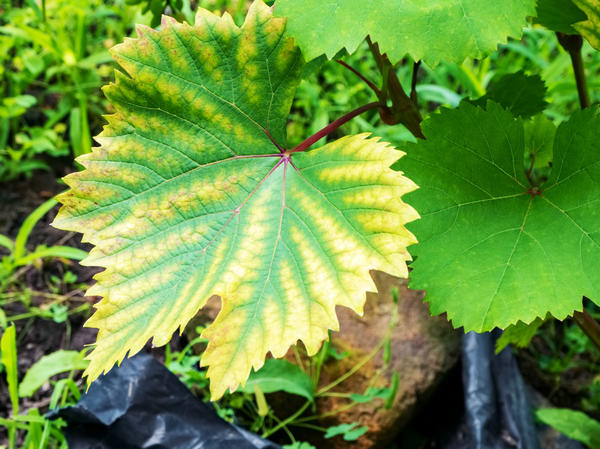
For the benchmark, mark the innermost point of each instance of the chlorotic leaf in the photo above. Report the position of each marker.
(590, 29)
(431, 30)
(559, 15)
(188, 196)
(493, 248)
(521, 94)
(574, 424)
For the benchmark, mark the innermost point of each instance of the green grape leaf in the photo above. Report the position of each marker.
(189, 196)
(521, 94)
(590, 29)
(431, 30)
(559, 15)
(493, 248)
(574, 424)
(519, 334)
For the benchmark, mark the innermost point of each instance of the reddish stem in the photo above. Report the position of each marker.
(373, 87)
(333, 126)
(528, 174)
(281, 150)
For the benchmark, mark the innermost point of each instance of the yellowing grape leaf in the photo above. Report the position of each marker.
(190, 196)
(590, 28)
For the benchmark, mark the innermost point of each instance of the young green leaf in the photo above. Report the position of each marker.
(590, 28)
(370, 395)
(350, 432)
(431, 30)
(281, 375)
(190, 195)
(495, 249)
(574, 424)
(519, 334)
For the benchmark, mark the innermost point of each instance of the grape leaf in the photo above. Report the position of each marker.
(521, 94)
(431, 30)
(590, 29)
(573, 423)
(188, 196)
(559, 15)
(493, 248)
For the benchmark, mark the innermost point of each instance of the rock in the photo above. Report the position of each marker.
(423, 350)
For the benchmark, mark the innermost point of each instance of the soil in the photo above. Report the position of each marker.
(38, 337)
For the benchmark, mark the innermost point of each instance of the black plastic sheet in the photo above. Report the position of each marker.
(141, 405)
(498, 409)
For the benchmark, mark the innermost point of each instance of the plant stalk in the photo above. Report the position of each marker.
(372, 86)
(333, 126)
(572, 43)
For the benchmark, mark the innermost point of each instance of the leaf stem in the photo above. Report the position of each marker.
(286, 421)
(272, 139)
(373, 87)
(333, 126)
(528, 174)
(589, 326)
(572, 43)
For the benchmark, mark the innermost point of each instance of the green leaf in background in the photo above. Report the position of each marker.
(58, 362)
(16, 106)
(8, 357)
(519, 334)
(350, 432)
(431, 30)
(3, 323)
(574, 424)
(590, 29)
(281, 375)
(495, 249)
(521, 94)
(559, 15)
(190, 196)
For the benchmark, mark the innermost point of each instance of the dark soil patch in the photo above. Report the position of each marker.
(37, 337)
